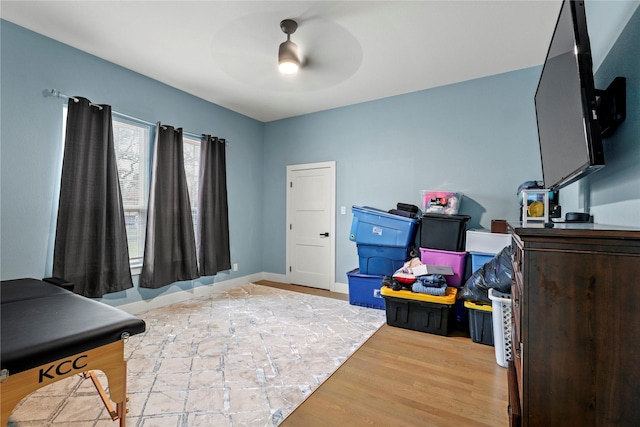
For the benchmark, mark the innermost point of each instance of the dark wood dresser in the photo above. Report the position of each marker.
(575, 326)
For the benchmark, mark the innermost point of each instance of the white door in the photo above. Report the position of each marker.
(311, 224)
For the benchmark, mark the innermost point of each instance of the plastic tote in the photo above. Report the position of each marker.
(383, 260)
(501, 309)
(364, 289)
(455, 260)
(479, 259)
(444, 232)
(420, 312)
(480, 322)
(372, 226)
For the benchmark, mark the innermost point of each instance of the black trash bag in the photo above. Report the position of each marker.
(498, 271)
(475, 288)
(496, 274)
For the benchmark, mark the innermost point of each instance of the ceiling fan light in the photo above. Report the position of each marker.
(288, 68)
(288, 61)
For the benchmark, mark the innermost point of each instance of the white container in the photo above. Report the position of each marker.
(501, 316)
(485, 242)
(441, 202)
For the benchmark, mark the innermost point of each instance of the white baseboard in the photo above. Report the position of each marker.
(164, 300)
(343, 288)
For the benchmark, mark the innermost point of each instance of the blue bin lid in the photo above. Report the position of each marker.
(375, 211)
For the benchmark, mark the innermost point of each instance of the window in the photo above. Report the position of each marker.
(191, 148)
(132, 143)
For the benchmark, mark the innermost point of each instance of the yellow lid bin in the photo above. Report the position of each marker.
(475, 306)
(420, 312)
(480, 322)
(448, 298)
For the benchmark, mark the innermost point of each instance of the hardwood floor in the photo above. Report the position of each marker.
(401, 377)
(304, 289)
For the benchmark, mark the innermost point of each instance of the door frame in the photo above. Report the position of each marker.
(332, 220)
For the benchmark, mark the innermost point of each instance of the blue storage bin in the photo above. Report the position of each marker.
(479, 259)
(364, 290)
(384, 260)
(372, 226)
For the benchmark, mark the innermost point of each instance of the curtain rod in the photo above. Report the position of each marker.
(57, 94)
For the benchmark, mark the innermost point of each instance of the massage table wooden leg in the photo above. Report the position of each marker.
(108, 358)
(120, 412)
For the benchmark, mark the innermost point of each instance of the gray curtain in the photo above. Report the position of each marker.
(90, 247)
(170, 249)
(213, 212)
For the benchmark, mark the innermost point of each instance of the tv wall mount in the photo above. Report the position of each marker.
(611, 106)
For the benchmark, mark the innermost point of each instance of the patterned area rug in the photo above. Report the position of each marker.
(243, 357)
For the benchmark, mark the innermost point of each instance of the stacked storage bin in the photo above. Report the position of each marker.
(480, 322)
(442, 243)
(483, 246)
(385, 242)
(420, 312)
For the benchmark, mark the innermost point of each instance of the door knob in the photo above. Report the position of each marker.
(324, 234)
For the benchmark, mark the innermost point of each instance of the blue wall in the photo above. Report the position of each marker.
(614, 191)
(477, 137)
(31, 149)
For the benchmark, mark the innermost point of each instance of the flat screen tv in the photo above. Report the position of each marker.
(566, 103)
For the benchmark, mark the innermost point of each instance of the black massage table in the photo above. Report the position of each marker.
(49, 333)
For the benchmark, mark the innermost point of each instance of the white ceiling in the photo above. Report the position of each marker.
(226, 51)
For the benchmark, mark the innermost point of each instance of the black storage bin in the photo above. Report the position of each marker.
(443, 232)
(402, 213)
(480, 325)
(419, 316)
